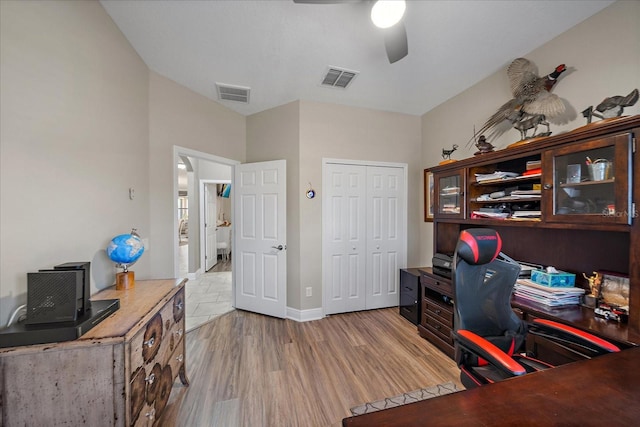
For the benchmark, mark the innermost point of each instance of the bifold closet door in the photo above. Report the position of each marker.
(344, 228)
(385, 235)
(364, 237)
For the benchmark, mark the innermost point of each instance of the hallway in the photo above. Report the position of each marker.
(208, 296)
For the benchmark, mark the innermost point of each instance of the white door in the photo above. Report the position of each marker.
(385, 240)
(364, 236)
(260, 244)
(344, 228)
(211, 214)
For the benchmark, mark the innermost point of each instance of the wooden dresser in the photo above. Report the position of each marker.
(119, 373)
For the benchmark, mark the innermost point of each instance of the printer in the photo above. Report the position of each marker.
(442, 264)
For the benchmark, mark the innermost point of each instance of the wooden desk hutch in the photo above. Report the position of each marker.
(585, 225)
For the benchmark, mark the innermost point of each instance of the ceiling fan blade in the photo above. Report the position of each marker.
(395, 41)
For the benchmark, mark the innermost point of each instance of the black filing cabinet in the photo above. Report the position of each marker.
(410, 294)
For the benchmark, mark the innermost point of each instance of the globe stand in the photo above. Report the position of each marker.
(125, 280)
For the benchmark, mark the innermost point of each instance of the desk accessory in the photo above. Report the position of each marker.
(125, 250)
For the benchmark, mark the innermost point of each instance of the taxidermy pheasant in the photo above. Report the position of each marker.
(612, 106)
(531, 96)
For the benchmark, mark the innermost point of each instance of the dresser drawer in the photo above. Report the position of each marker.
(439, 311)
(439, 284)
(435, 339)
(152, 352)
(438, 328)
(160, 335)
(410, 282)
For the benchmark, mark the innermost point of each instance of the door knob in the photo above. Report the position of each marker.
(279, 247)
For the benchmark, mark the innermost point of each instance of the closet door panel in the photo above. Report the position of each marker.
(385, 199)
(345, 236)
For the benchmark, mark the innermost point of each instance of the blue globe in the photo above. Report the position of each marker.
(125, 249)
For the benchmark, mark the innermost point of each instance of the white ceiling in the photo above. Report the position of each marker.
(281, 49)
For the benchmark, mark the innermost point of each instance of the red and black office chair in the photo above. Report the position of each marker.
(488, 335)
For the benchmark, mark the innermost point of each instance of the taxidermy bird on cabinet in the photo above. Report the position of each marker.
(612, 106)
(532, 98)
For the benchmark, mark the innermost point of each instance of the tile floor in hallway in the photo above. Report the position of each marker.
(207, 297)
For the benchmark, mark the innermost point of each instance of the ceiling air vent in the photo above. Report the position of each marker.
(233, 93)
(337, 77)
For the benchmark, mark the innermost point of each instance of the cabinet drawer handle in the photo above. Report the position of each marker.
(178, 333)
(437, 311)
(437, 327)
(151, 414)
(180, 358)
(179, 305)
(547, 186)
(150, 343)
(150, 379)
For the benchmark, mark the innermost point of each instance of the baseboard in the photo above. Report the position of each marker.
(304, 315)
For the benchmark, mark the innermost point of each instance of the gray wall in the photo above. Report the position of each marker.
(74, 139)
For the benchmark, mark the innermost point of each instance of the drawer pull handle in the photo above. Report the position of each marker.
(437, 311)
(180, 358)
(179, 305)
(151, 414)
(150, 379)
(437, 327)
(178, 333)
(150, 343)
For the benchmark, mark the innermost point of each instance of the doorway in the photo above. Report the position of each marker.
(207, 294)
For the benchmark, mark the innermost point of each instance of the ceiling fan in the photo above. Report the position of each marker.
(387, 15)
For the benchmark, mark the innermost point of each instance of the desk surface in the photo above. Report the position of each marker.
(601, 391)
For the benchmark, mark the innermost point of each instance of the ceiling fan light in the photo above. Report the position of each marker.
(387, 13)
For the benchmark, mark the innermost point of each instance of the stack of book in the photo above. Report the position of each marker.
(552, 297)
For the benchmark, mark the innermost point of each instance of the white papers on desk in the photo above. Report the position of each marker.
(552, 297)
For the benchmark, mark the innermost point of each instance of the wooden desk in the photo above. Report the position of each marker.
(582, 318)
(601, 391)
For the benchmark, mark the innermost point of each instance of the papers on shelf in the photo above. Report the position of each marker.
(493, 215)
(526, 192)
(496, 175)
(526, 214)
(450, 191)
(552, 297)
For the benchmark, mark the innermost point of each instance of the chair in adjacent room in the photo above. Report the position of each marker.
(489, 337)
(223, 242)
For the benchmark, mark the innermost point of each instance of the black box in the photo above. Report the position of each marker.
(85, 268)
(54, 296)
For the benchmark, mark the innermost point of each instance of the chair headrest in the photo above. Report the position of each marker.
(479, 245)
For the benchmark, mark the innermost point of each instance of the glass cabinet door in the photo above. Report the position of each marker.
(589, 182)
(449, 190)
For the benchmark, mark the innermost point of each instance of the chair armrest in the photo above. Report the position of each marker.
(559, 331)
(488, 351)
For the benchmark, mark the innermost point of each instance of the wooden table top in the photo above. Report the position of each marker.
(601, 391)
(136, 309)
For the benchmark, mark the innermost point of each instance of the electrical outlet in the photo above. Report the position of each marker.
(309, 291)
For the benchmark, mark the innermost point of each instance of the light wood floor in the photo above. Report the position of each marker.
(251, 370)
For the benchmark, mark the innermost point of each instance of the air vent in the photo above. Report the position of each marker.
(337, 77)
(233, 93)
